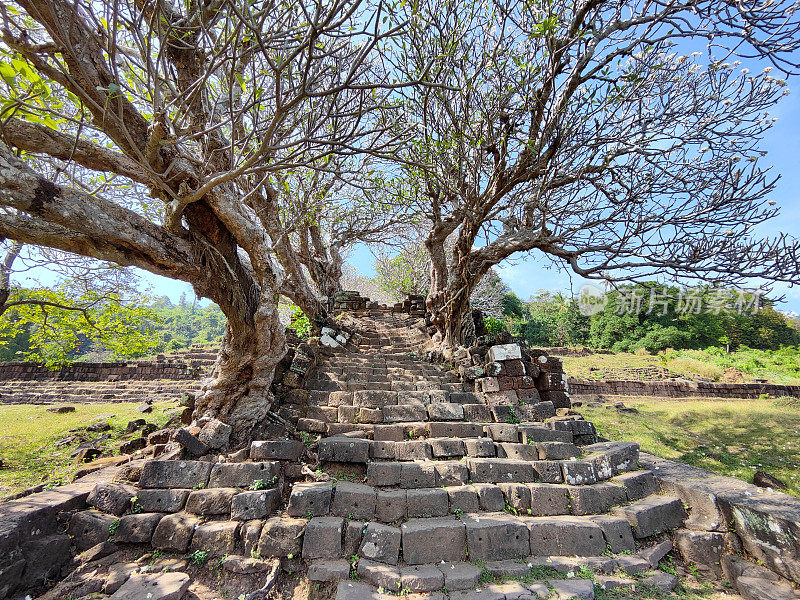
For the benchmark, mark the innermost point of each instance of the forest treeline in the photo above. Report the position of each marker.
(630, 319)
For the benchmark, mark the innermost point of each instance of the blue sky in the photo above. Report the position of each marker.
(527, 275)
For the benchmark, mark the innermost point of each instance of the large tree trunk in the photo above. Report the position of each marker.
(238, 390)
(452, 284)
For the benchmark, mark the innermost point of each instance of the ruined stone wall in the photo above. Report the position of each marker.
(679, 389)
(729, 515)
(112, 371)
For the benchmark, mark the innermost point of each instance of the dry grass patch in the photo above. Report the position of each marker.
(730, 437)
(30, 439)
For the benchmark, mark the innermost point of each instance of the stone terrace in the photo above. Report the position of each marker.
(409, 481)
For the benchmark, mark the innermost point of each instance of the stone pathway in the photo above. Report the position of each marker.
(406, 481)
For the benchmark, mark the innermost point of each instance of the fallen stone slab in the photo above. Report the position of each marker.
(329, 570)
(652, 515)
(570, 589)
(162, 586)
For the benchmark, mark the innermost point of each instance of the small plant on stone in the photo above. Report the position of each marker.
(512, 416)
(458, 512)
(157, 554)
(260, 484)
(136, 506)
(255, 553)
(198, 557)
(308, 439)
(112, 529)
(199, 486)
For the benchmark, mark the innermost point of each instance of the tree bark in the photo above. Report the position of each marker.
(238, 390)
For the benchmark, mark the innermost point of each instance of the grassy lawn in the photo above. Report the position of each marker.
(29, 436)
(775, 366)
(731, 437)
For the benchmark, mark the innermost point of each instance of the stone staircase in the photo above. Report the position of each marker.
(408, 482)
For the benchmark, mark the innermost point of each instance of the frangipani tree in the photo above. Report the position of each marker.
(170, 125)
(583, 131)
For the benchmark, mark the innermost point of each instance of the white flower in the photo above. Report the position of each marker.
(767, 70)
(571, 574)
(745, 71)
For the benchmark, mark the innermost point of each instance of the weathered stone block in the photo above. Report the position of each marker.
(504, 352)
(447, 447)
(405, 413)
(703, 549)
(174, 474)
(214, 501)
(421, 578)
(548, 471)
(391, 505)
(578, 472)
(548, 499)
(617, 532)
(433, 540)
(490, 497)
(158, 586)
(460, 575)
(310, 499)
(217, 537)
(445, 411)
(450, 473)
(431, 502)
(381, 543)
(164, 501)
(137, 528)
(254, 504)
(243, 474)
(174, 532)
(111, 498)
(277, 450)
(281, 537)
(323, 538)
(565, 536)
(90, 527)
(502, 432)
(343, 449)
(637, 484)
(383, 450)
(463, 499)
(652, 515)
(517, 451)
(374, 398)
(325, 570)
(417, 475)
(496, 470)
(496, 537)
(418, 450)
(517, 496)
(381, 474)
(480, 447)
(354, 501)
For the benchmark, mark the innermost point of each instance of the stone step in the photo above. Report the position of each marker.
(499, 432)
(488, 536)
(441, 492)
(653, 514)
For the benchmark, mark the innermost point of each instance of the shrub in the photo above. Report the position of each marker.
(494, 326)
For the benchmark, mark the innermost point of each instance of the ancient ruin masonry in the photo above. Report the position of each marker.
(400, 477)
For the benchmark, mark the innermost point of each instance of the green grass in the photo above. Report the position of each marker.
(731, 437)
(28, 436)
(776, 366)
